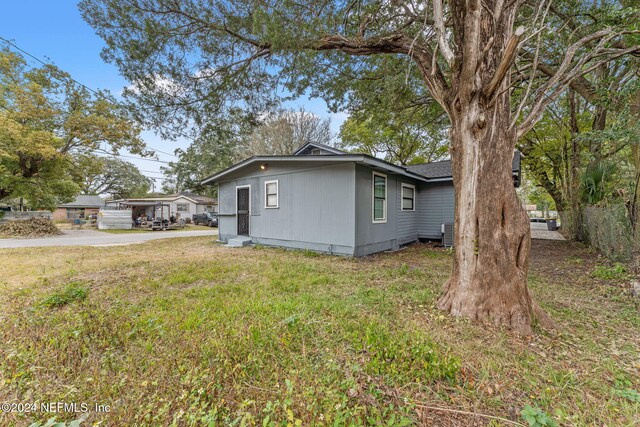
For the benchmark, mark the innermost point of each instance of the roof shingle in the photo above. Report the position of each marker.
(442, 169)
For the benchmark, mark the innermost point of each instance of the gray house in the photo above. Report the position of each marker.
(324, 199)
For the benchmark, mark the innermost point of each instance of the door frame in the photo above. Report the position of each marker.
(236, 205)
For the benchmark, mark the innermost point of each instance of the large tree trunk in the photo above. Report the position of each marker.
(492, 234)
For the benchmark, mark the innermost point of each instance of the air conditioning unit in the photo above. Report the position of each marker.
(447, 234)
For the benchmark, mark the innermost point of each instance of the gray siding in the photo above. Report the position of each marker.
(374, 237)
(407, 220)
(401, 226)
(315, 211)
(328, 207)
(436, 204)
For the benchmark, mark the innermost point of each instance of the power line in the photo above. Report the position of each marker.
(135, 158)
(142, 170)
(15, 46)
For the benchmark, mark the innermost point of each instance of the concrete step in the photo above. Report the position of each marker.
(239, 241)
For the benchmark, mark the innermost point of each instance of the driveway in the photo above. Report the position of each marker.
(539, 231)
(99, 238)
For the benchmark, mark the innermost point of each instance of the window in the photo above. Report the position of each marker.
(75, 213)
(316, 152)
(182, 207)
(271, 194)
(408, 197)
(379, 197)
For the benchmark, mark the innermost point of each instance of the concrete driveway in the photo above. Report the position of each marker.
(99, 238)
(539, 231)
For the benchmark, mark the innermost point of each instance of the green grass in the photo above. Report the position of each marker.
(72, 292)
(616, 271)
(186, 332)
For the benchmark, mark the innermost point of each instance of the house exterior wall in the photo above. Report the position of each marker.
(60, 214)
(63, 214)
(329, 208)
(400, 226)
(436, 203)
(316, 208)
(190, 206)
(407, 220)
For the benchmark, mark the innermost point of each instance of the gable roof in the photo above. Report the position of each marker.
(332, 158)
(304, 147)
(196, 198)
(442, 169)
(85, 201)
(426, 172)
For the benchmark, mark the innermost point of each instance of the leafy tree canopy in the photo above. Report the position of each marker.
(109, 176)
(45, 118)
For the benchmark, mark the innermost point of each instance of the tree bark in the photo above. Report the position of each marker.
(492, 233)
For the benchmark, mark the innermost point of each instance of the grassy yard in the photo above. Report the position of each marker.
(186, 332)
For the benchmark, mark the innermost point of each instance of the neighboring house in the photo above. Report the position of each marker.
(83, 206)
(185, 204)
(324, 199)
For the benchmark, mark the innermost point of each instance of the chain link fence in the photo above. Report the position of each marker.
(609, 230)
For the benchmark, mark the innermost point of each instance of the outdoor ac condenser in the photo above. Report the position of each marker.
(447, 235)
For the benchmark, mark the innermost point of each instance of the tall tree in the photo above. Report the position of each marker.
(402, 137)
(282, 132)
(46, 118)
(464, 52)
(391, 113)
(109, 176)
(218, 146)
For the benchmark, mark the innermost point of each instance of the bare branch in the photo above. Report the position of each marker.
(391, 43)
(505, 63)
(568, 71)
(439, 26)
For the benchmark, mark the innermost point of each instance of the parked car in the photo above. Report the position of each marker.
(206, 218)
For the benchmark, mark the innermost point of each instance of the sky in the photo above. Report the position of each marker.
(54, 32)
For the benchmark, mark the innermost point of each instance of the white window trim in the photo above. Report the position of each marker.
(413, 187)
(373, 198)
(277, 194)
(183, 204)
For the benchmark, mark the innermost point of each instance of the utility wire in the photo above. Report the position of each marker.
(133, 157)
(15, 46)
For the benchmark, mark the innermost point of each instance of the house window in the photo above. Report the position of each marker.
(316, 152)
(75, 213)
(379, 197)
(408, 197)
(271, 194)
(182, 207)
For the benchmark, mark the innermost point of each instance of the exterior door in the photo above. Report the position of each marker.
(243, 211)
